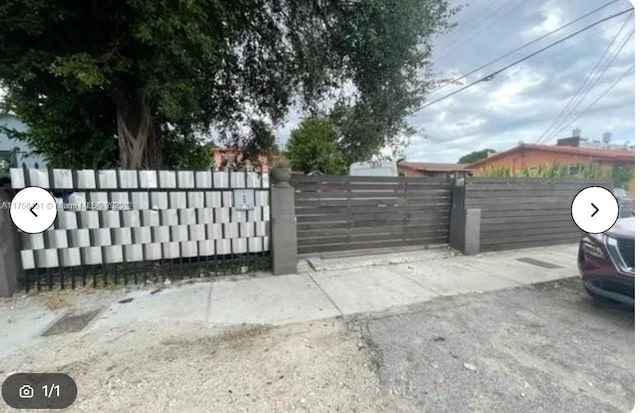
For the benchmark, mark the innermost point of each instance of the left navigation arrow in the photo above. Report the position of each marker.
(33, 210)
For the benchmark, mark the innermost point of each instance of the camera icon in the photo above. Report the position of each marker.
(25, 392)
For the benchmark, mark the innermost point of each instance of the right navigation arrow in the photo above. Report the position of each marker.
(596, 209)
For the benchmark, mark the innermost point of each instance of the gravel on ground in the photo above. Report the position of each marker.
(322, 366)
(543, 348)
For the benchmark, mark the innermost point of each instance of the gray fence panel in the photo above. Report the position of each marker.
(525, 212)
(343, 213)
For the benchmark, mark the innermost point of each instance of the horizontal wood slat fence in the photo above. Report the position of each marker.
(525, 212)
(340, 213)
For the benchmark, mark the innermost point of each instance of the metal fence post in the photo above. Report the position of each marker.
(284, 244)
(464, 231)
(10, 264)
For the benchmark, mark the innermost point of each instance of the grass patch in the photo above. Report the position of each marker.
(54, 300)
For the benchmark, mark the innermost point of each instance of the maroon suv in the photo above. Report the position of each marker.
(607, 262)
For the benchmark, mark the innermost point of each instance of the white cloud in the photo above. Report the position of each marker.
(609, 29)
(629, 49)
(551, 15)
(511, 94)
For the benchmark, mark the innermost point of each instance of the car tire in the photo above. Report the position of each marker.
(608, 302)
(599, 298)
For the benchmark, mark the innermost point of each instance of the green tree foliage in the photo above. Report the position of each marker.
(359, 133)
(476, 156)
(68, 130)
(622, 175)
(260, 141)
(127, 82)
(188, 154)
(312, 147)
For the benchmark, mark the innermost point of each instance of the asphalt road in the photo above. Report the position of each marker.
(543, 348)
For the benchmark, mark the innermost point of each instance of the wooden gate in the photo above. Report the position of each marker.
(339, 213)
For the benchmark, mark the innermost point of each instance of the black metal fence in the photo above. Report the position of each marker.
(155, 271)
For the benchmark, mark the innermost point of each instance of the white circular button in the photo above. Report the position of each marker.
(33, 210)
(594, 209)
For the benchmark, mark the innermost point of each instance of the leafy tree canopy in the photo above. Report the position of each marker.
(188, 153)
(359, 133)
(476, 156)
(312, 147)
(259, 141)
(104, 82)
(622, 175)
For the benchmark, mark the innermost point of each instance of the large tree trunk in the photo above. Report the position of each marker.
(138, 137)
(153, 155)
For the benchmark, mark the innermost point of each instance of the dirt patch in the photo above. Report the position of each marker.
(79, 300)
(54, 301)
(320, 366)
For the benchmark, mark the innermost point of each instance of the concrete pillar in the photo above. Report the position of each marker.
(471, 231)
(464, 229)
(284, 242)
(10, 263)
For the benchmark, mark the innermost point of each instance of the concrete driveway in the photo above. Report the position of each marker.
(335, 287)
(449, 334)
(540, 348)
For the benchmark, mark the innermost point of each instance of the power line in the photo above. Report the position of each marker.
(599, 97)
(522, 47)
(584, 83)
(491, 17)
(590, 87)
(492, 75)
(471, 24)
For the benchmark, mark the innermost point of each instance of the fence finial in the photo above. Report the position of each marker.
(281, 177)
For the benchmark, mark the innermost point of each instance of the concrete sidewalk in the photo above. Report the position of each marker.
(343, 286)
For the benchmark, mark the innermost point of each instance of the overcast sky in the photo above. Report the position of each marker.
(519, 104)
